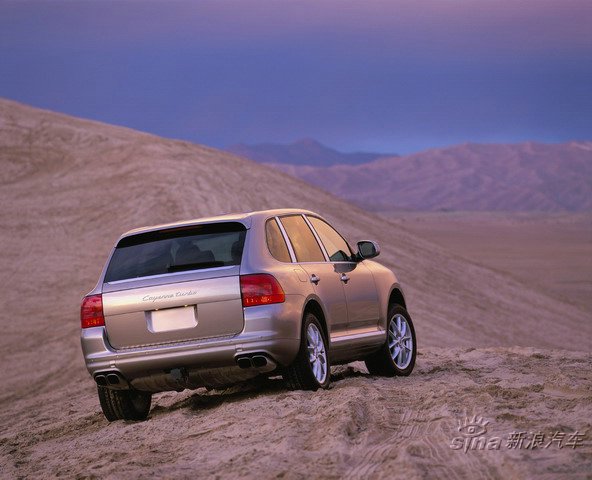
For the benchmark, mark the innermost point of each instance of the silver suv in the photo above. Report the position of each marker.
(221, 300)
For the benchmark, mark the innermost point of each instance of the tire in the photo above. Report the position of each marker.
(124, 404)
(311, 370)
(398, 358)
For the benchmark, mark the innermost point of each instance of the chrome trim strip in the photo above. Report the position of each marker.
(195, 342)
(357, 336)
(286, 239)
(172, 274)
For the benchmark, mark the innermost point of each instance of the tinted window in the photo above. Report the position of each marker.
(337, 248)
(303, 241)
(176, 250)
(275, 241)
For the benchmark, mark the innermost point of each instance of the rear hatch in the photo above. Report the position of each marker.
(174, 285)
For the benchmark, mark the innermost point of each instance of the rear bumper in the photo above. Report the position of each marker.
(271, 329)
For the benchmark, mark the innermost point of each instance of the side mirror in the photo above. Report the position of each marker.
(367, 249)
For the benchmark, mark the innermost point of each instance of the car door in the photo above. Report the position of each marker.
(357, 280)
(322, 275)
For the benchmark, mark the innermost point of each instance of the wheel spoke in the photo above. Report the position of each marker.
(317, 353)
(400, 341)
(393, 329)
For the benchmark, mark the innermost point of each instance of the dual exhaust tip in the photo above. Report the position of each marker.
(256, 361)
(109, 379)
(115, 379)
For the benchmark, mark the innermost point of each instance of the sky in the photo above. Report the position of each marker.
(358, 75)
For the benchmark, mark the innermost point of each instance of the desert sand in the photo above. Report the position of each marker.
(490, 344)
(551, 250)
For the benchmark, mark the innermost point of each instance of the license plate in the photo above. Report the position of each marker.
(171, 319)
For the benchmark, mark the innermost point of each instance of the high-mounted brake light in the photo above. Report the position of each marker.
(260, 289)
(91, 312)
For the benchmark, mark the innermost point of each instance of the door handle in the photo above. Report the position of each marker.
(344, 278)
(314, 279)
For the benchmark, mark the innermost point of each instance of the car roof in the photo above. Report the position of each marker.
(245, 218)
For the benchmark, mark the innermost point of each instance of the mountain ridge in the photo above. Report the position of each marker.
(528, 176)
(305, 151)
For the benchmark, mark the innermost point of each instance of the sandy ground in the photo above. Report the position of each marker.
(490, 344)
(363, 427)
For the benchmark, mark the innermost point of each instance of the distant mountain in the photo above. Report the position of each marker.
(519, 177)
(302, 152)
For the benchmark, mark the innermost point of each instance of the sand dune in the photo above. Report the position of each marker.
(522, 177)
(69, 187)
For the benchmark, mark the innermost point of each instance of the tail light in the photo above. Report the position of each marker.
(91, 312)
(260, 289)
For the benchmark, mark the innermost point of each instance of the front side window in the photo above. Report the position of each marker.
(337, 248)
(275, 241)
(176, 250)
(303, 241)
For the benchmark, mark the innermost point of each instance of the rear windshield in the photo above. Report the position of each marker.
(177, 250)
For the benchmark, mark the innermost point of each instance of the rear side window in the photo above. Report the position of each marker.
(303, 241)
(275, 241)
(337, 248)
(177, 250)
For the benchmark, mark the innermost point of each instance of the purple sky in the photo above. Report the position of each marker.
(392, 76)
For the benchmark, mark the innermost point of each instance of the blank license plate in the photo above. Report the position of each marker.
(172, 319)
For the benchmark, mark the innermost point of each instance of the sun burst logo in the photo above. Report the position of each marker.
(473, 426)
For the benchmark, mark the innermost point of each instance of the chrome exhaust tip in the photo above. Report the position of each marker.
(244, 362)
(259, 361)
(101, 380)
(113, 379)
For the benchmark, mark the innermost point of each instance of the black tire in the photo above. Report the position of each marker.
(382, 362)
(300, 375)
(124, 404)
